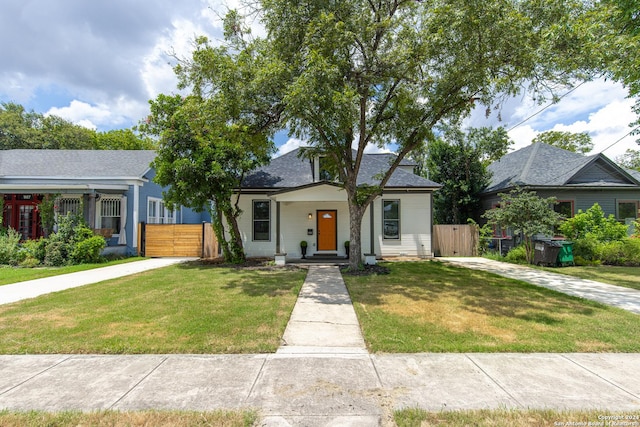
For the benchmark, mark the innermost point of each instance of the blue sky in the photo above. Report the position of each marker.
(98, 63)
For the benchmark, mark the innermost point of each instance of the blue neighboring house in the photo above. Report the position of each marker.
(113, 189)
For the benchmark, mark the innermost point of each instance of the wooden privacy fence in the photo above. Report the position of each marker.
(455, 240)
(167, 240)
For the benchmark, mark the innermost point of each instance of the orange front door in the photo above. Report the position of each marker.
(327, 230)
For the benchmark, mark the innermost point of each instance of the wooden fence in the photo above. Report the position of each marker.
(167, 240)
(455, 240)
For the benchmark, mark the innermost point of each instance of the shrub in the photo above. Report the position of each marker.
(588, 249)
(624, 252)
(56, 253)
(35, 249)
(30, 262)
(593, 224)
(517, 255)
(10, 247)
(88, 250)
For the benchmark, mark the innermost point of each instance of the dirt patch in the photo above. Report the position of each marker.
(368, 270)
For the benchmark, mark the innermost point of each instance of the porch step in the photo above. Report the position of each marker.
(325, 255)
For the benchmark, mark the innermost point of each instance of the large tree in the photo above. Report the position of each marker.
(209, 139)
(459, 161)
(630, 159)
(575, 142)
(389, 71)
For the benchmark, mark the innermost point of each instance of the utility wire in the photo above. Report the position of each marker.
(621, 138)
(545, 107)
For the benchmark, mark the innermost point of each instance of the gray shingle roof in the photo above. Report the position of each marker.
(541, 165)
(72, 164)
(290, 170)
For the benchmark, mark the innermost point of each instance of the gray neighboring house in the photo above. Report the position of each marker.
(294, 199)
(113, 188)
(577, 181)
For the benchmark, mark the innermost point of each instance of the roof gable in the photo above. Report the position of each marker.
(542, 165)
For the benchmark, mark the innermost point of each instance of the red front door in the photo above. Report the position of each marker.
(21, 214)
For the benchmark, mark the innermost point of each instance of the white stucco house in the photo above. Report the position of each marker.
(290, 200)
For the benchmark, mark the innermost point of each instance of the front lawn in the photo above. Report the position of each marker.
(187, 308)
(629, 277)
(434, 307)
(10, 274)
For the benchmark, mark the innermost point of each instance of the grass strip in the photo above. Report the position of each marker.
(128, 419)
(10, 275)
(513, 418)
(628, 277)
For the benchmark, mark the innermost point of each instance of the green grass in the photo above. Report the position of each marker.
(435, 307)
(629, 277)
(188, 308)
(128, 419)
(509, 418)
(10, 275)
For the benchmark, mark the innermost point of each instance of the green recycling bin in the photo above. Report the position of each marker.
(565, 256)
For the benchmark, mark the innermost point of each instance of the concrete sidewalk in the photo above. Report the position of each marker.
(330, 389)
(617, 296)
(33, 288)
(322, 375)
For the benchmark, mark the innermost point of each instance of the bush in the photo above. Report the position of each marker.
(88, 250)
(35, 249)
(57, 253)
(592, 224)
(624, 252)
(517, 255)
(10, 247)
(587, 249)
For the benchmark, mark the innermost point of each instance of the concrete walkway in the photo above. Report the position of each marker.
(322, 375)
(33, 288)
(617, 296)
(323, 319)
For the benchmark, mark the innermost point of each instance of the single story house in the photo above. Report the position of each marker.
(113, 188)
(294, 199)
(577, 181)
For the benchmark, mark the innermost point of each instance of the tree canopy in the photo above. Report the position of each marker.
(389, 71)
(630, 159)
(211, 138)
(575, 142)
(459, 161)
(30, 130)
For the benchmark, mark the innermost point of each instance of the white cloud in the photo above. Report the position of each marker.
(522, 136)
(374, 149)
(290, 145)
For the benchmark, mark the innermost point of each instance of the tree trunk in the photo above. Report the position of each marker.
(237, 249)
(356, 213)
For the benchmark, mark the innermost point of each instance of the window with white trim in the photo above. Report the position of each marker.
(261, 220)
(109, 213)
(391, 219)
(66, 205)
(628, 209)
(158, 213)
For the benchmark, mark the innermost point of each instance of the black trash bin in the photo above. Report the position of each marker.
(546, 252)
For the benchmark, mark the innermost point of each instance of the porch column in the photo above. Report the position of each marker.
(277, 227)
(91, 211)
(371, 229)
(136, 217)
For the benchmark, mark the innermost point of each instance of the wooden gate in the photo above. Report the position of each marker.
(184, 240)
(455, 240)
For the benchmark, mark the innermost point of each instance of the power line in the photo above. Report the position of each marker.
(545, 107)
(621, 138)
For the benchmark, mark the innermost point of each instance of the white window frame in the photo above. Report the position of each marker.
(254, 220)
(63, 203)
(117, 210)
(163, 214)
